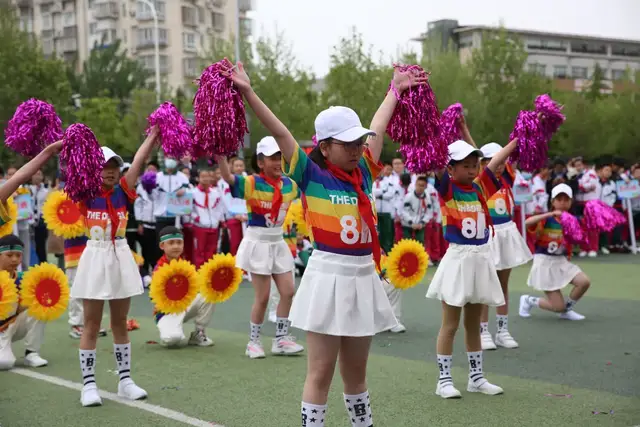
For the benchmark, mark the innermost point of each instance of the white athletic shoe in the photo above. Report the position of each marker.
(448, 391)
(89, 395)
(286, 345)
(487, 341)
(273, 317)
(33, 360)
(484, 387)
(200, 339)
(254, 350)
(398, 329)
(76, 332)
(129, 390)
(582, 254)
(505, 340)
(571, 315)
(592, 254)
(146, 281)
(525, 306)
(605, 251)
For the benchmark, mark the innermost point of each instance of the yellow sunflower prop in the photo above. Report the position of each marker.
(8, 295)
(219, 278)
(406, 264)
(138, 258)
(63, 216)
(295, 215)
(45, 292)
(174, 287)
(12, 211)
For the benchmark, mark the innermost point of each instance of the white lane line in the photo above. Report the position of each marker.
(154, 409)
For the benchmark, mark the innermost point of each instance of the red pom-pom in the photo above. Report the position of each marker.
(82, 160)
(177, 139)
(449, 130)
(572, 231)
(601, 217)
(220, 121)
(531, 152)
(33, 126)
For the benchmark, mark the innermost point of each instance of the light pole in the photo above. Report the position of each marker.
(247, 137)
(154, 14)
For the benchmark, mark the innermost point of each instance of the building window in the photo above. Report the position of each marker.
(560, 71)
(149, 62)
(190, 67)
(466, 41)
(47, 46)
(91, 4)
(618, 74)
(93, 27)
(217, 21)
(540, 69)
(586, 47)
(200, 15)
(124, 36)
(625, 50)
(146, 36)
(143, 12)
(189, 16)
(547, 44)
(579, 72)
(68, 19)
(189, 41)
(47, 21)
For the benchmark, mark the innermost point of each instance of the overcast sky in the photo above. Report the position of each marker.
(313, 27)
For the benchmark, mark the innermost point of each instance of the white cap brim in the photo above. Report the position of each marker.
(465, 151)
(353, 134)
(489, 150)
(561, 189)
(269, 151)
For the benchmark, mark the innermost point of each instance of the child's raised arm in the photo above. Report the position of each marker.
(531, 221)
(464, 130)
(276, 128)
(139, 160)
(25, 173)
(502, 155)
(225, 172)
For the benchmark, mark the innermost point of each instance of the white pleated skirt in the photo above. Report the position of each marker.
(341, 295)
(467, 275)
(508, 248)
(551, 272)
(107, 271)
(264, 251)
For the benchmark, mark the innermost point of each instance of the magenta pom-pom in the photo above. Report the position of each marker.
(220, 121)
(148, 180)
(176, 133)
(531, 152)
(82, 160)
(421, 160)
(552, 116)
(33, 126)
(572, 230)
(449, 130)
(601, 217)
(314, 139)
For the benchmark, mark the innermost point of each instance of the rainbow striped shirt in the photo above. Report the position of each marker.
(258, 194)
(96, 214)
(498, 203)
(549, 237)
(463, 219)
(330, 204)
(73, 249)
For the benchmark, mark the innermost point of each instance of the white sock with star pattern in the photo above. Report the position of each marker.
(359, 408)
(313, 415)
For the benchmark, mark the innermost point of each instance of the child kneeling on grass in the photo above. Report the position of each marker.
(170, 325)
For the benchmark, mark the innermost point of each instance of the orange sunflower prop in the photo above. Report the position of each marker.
(174, 287)
(63, 216)
(12, 211)
(45, 292)
(8, 295)
(137, 258)
(406, 264)
(219, 278)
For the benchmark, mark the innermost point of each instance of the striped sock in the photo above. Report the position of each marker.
(282, 327)
(88, 366)
(444, 365)
(475, 367)
(122, 352)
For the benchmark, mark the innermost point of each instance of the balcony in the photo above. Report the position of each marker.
(246, 27)
(245, 5)
(24, 3)
(145, 38)
(69, 45)
(106, 10)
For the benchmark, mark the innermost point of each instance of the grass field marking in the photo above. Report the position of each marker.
(137, 404)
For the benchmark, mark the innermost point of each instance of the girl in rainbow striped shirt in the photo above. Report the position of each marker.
(341, 302)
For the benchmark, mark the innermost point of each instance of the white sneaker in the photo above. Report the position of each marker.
(254, 350)
(487, 341)
(273, 317)
(33, 360)
(76, 332)
(89, 395)
(592, 254)
(398, 329)
(286, 345)
(605, 251)
(525, 306)
(571, 315)
(448, 391)
(200, 339)
(485, 388)
(129, 390)
(582, 254)
(146, 281)
(505, 340)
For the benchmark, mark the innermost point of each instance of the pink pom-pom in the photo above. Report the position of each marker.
(421, 160)
(449, 130)
(314, 139)
(176, 133)
(572, 231)
(416, 123)
(34, 125)
(601, 217)
(220, 121)
(531, 152)
(552, 116)
(82, 160)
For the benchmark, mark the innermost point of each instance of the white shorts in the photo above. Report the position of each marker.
(107, 271)
(264, 251)
(467, 275)
(341, 295)
(508, 248)
(551, 272)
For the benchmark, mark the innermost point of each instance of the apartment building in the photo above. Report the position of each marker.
(567, 58)
(72, 28)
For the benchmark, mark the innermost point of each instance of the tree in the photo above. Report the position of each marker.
(26, 73)
(593, 91)
(139, 107)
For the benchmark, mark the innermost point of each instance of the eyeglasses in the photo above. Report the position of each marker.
(353, 145)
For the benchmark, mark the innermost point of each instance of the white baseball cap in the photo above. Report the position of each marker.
(561, 189)
(267, 146)
(491, 149)
(460, 150)
(340, 123)
(110, 154)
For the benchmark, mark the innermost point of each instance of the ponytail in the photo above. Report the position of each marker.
(316, 156)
